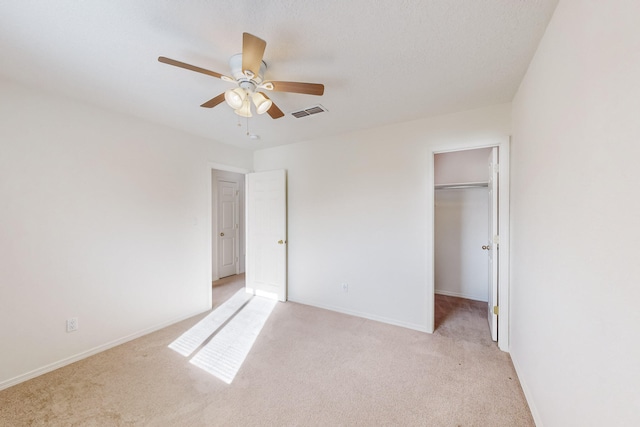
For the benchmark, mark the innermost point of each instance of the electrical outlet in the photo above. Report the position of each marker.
(345, 287)
(72, 324)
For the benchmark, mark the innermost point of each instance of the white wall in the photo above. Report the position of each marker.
(461, 228)
(462, 166)
(360, 212)
(576, 219)
(103, 217)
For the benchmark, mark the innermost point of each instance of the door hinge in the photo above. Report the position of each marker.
(237, 192)
(237, 226)
(496, 168)
(496, 310)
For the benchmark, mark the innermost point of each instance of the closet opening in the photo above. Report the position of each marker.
(466, 244)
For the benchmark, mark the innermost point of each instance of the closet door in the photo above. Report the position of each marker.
(492, 244)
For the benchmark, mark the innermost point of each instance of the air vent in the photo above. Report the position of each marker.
(309, 111)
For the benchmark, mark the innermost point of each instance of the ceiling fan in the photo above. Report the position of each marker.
(247, 73)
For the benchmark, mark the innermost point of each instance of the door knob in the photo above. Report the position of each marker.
(280, 242)
(486, 247)
(221, 234)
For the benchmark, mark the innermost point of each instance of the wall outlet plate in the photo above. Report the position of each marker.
(72, 324)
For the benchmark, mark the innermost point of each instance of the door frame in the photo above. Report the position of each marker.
(503, 145)
(211, 167)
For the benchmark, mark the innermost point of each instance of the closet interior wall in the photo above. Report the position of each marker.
(461, 223)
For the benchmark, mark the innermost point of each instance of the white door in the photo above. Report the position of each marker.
(266, 273)
(227, 228)
(492, 244)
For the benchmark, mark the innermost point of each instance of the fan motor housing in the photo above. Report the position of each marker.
(250, 84)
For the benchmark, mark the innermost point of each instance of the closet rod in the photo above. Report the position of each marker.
(461, 185)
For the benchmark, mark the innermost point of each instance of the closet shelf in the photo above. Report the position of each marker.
(461, 185)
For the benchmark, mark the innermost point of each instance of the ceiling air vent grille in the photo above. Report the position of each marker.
(309, 111)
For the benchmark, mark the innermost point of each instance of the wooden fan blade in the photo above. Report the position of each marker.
(188, 67)
(214, 101)
(297, 87)
(273, 111)
(252, 53)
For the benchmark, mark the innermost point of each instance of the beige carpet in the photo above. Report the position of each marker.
(308, 367)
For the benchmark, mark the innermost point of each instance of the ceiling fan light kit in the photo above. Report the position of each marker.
(235, 97)
(245, 109)
(247, 73)
(261, 102)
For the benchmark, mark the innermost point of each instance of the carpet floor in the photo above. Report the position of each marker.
(308, 367)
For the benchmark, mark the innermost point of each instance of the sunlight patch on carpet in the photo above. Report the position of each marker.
(188, 342)
(224, 354)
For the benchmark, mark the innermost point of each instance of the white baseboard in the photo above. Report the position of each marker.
(460, 295)
(527, 393)
(408, 325)
(69, 360)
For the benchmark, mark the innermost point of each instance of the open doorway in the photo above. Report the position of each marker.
(252, 208)
(228, 242)
(228, 223)
(461, 210)
(470, 231)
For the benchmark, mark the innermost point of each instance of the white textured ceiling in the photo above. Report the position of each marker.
(381, 61)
